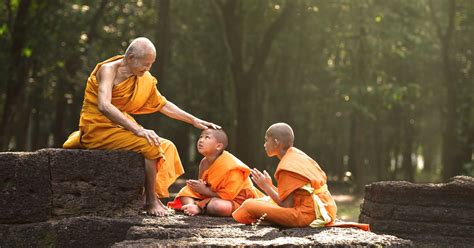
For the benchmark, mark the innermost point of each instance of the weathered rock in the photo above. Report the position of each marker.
(458, 192)
(95, 182)
(25, 190)
(417, 211)
(400, 227)
(69, 232)
(203, 231)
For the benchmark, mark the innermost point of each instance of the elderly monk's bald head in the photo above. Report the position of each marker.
(140, 47)
(283, 133)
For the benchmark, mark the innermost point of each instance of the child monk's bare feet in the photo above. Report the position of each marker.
(191, 209)
(156, 208)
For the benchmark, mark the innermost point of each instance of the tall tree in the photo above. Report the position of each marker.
(245, 77)
(452, 162)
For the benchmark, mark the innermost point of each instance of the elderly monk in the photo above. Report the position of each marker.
(302, 197)
(121, 86)
(223, 182)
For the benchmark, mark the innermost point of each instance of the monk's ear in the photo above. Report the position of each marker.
(131, 56)
(220, 147)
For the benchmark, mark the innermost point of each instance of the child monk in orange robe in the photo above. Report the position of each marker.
(223, 182)
(302, 197)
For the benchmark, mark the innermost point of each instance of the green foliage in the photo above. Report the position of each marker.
(337, 69)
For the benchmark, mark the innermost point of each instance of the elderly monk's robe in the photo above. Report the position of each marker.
(228, 177)
(135, 95)
(313, 204)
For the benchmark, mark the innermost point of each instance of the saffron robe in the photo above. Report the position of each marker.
(313, 204)
(228, 177)
(135, 95)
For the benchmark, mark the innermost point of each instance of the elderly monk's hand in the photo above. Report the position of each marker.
(198, 186)
(262, 180)
(198, 123)
(150, 135)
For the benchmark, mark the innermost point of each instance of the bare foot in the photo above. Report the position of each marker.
(191, 209)
(156, 209)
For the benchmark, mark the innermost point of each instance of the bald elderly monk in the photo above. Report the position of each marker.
(116, 88)
(302, 197)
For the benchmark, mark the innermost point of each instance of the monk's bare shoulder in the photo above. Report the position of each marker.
(107, 71)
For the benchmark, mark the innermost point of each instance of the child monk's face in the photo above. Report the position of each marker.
(207, 143)
(271, 146)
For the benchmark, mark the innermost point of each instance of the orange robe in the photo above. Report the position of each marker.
(228, 177)
(135, 95)
(313, 204)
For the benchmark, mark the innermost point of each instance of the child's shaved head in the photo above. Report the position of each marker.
(283, 133)
(220, 136)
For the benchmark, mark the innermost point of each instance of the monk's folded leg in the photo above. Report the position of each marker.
(253, 209)
(185, 200)
(117, 138)
(169, 167)
(219, 207)
(168, 163)
(153, 206)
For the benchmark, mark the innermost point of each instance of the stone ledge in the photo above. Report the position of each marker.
(459, 191)
(58, 183)
(25, 189)
(181, 231)
(417, 211)
(202, 231)
(87, 231)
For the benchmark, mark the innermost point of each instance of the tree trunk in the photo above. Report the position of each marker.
(407, 165)
(248, 113)
(356, 156)
(452, 161)
(16, 77)
(162, 38)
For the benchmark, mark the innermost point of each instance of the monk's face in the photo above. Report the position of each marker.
(270, 145)
(140, 65)
(207, 143)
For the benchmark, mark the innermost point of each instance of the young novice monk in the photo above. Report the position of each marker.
(223, 182)
(301, 198)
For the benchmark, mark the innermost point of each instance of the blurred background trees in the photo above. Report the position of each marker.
(375, 90)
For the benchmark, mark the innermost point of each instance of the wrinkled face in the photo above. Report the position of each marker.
(271, 146)
(141, 65)
(207, 143)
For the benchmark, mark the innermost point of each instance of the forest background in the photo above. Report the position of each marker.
(374, 90)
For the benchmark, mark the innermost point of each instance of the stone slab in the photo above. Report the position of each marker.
(25, 189)
(94, 182)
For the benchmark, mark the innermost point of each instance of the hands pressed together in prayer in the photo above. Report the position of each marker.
(262, 180)
(198, 186)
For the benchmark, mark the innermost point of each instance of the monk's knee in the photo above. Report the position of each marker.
(167, 144)
(250, 205)
(219, 207)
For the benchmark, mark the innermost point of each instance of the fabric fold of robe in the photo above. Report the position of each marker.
(313, 204)
(228, 177)
(135, 95)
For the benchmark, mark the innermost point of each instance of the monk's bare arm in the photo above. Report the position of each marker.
(173, 111)
(264, 182)
(287, 203)
(106, 74)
